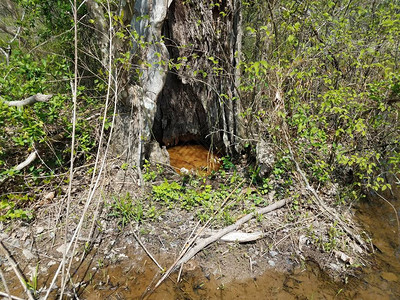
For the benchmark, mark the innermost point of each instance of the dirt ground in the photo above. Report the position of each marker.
(105, 256)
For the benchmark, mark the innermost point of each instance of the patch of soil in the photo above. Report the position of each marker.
(108, 262)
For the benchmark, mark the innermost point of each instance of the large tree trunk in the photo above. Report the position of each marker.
(187, 91)
(199, 100)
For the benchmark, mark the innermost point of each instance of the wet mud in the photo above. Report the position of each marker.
(378, 280)
(134, 276)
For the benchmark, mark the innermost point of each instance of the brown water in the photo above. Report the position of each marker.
(381, 280)
(379, 220)
(193, 158)
(130, 278)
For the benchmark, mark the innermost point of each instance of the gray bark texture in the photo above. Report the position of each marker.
(187, 54)
(199, 100)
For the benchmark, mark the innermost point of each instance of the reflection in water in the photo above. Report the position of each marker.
(379, 219)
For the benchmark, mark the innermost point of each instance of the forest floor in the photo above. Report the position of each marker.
(290, 237)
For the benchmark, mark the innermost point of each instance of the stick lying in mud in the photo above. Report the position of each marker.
(3, 280)
(145, 249)
(5, 295)
(17, 272)
(201, 244)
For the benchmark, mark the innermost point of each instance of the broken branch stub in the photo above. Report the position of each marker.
(30, 100)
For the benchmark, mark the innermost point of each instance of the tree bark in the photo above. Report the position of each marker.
(188, 54)
(199, 100)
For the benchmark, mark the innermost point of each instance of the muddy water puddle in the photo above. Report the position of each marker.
(379, 220)
(193, 158)
(130, 278)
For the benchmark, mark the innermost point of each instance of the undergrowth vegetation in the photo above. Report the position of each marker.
(321, 78)
(326, 74)
(39, 63)
(302, 111)
(222, 196)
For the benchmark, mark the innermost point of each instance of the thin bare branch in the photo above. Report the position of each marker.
(17, 272)
(145, 250)
(3, 280)
(10, 296)
(74, 89)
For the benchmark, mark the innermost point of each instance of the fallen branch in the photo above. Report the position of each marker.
(6, 53)
(10, 296)
(28, 101)
(26, 162)
(31, 157)
(14, 266)
(239, 236)
(201, 244)
(145, 249)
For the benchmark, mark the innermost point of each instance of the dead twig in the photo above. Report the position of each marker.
(17, 272)
(28, 101)
(145, 250)
(395, 213)
(10, 296)
(207, 241)
(27, 161)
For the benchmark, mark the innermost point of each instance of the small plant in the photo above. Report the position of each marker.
(227, 163)
(266, 186)
(9, 210)
(33, 283)
(149, 174)
(254, 173)
(167, 192)
(126, 209)
(296, 202)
